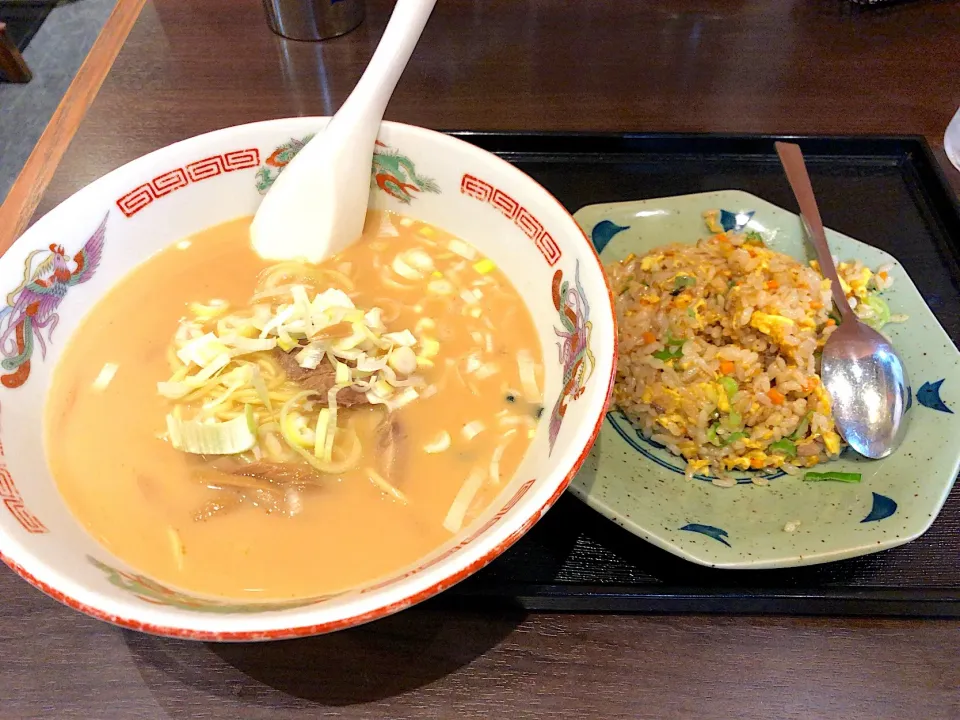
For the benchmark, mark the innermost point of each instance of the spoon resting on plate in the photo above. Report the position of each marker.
(861, 371)
(317, 205)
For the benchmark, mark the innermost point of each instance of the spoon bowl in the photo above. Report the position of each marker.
(860, 369)
(868, 388)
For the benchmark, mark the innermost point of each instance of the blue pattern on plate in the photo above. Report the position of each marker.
(665, 459)
(735, 221)
(716, 533)
(929, 396)
(883, 507)
(603, 233)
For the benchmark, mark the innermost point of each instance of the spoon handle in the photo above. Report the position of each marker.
(792, 160)
(363, 110)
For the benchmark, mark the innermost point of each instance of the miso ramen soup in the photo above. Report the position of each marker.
(262, 431)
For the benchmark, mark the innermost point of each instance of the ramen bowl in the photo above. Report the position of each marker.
(55, 273)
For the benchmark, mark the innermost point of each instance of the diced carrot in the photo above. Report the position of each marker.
(883, 274)
(648, 338)
(776, 397)
(756, 463)
(812, 383)
(831, 321)
(726, 367)
(772, 284)
(816, 305)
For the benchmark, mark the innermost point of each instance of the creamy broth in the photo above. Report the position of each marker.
(183, 518)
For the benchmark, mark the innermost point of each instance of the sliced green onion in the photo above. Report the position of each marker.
(293, 439)
(712, 435)
(287, 343)
(733, 437)
(672, 351)
(802, 427)
(213, 309)
(221, 438)
(303, 305)
(838, 476)
(733, 420)
(331, 299)
(784, 446)
(278, 320)
(729, 385)
(429, 347)
(202, 351)
(295, 431)
(403, 359)
(665, 354)
(342, 374)
(404, 337)
(683, 281)
(881, 312)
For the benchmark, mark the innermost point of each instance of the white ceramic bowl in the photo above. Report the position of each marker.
(182, 189)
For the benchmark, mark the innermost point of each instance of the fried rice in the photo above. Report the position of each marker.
(719, 352)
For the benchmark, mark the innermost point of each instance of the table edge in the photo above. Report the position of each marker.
(31, 183)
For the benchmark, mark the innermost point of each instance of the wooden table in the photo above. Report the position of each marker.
(188, 66)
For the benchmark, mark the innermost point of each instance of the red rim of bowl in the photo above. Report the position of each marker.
(418, 597)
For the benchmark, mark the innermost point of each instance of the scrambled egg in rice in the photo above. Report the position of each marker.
(719, 346)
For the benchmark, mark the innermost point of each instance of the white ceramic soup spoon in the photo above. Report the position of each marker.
(316, 206)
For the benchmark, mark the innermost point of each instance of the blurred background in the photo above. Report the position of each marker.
(53, 37)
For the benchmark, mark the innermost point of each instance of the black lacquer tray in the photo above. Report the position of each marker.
(887, 191)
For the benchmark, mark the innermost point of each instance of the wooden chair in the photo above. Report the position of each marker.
(12, 65)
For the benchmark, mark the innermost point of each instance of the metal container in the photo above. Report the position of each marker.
(313, 19)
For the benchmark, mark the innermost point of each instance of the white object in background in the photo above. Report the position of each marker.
(951, 140)
(318, 204)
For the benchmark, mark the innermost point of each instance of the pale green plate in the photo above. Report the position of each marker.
(641, 486)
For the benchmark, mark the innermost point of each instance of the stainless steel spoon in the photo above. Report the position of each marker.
(861, 371)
